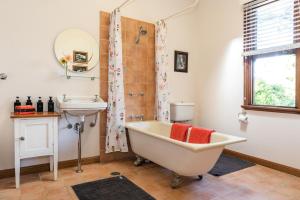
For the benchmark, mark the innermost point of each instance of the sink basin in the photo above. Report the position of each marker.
(81, 105)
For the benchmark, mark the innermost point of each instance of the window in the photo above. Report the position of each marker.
(274, 80)
(271, 55)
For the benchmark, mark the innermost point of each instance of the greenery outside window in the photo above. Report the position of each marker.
(274, 80)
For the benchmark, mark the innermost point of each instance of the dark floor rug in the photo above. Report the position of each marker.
(115, 188)
(228, 164)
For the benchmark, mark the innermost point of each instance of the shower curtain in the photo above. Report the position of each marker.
(115, 129)
(161, 60)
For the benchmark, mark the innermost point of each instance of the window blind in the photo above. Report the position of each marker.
(271, 26)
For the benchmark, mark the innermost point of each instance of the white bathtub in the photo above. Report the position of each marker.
(150, 140)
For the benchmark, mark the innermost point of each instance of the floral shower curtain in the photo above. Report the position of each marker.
(115, 130)
(161, 60)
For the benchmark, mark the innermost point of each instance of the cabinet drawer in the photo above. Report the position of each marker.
(36, 137)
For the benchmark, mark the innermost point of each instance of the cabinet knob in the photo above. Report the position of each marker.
(22, 138)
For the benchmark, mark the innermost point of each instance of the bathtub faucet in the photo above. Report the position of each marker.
(136, 117)
(139, 117)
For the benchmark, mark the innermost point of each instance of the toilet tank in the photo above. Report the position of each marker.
(182, 111)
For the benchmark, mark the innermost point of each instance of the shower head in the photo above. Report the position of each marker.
(142, 32)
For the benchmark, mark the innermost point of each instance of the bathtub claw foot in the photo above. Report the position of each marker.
(200, 177)
(139, 161)
(176, 182)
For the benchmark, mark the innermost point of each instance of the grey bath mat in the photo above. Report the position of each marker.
(228, 164)
(115, 188)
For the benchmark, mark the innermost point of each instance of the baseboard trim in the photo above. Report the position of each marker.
(263, 162)
(45, 167)
(96, 159)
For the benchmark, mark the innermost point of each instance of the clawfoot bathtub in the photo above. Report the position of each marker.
(150, 140)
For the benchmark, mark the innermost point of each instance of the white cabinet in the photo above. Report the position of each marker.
(36, 135)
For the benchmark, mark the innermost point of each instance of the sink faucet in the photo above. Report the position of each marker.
(64, 98)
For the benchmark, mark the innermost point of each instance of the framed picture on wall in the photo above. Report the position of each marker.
(80, 57)
(181, 61)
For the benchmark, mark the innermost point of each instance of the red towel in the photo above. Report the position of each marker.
(200, 135)
(25, 110)
(179, 131)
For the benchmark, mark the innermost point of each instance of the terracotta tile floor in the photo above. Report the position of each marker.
(255, 183)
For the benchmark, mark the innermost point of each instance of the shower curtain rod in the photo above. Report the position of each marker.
(170, 16)
(182, 11)
(123, 4)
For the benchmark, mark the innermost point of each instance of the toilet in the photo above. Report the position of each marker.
(182, 112)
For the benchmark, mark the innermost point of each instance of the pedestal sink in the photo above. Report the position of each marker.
(80, 106)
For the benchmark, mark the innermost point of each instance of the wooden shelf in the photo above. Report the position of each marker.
(35, 115)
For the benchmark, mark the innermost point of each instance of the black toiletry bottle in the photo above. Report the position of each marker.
(29, 102)
(39, 105)
(50, 105)
(17, 103)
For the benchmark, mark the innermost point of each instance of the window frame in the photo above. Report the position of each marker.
(248, 79)
(248, 88)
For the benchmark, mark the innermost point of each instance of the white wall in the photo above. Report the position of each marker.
(28, 30)
(271, 136)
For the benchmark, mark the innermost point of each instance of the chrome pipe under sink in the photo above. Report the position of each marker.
(79, 127)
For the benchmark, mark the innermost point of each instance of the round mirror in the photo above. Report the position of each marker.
(76, 50)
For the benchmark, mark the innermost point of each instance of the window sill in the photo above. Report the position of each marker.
(272, 109)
